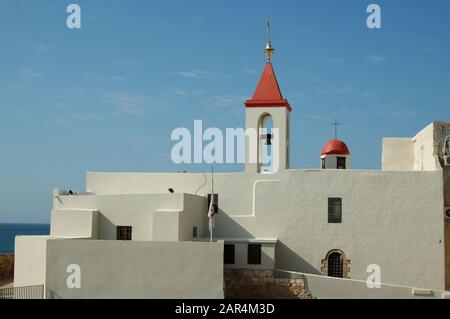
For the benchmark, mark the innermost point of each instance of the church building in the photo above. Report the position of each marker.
(127, 235)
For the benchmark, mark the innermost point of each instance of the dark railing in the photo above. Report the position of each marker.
(28, 292)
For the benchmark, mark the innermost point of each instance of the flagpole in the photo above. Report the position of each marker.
(212, 200)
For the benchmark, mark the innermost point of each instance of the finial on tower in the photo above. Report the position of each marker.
(269, 51)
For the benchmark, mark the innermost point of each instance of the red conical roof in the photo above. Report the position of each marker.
(335, 147)
(268, 92)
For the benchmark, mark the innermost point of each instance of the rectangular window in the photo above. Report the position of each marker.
(194, 232)
(228, 254)
(254, 254)
(123, 232)
(341, 163)
(334, 210)
(216, 202)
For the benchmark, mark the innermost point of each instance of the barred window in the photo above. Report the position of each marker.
(336, 265)
(334, 210)
(254, 254)
(123, 232)
(228, 254)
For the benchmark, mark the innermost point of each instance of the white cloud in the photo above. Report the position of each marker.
(194, 74)
(126, 63)
(345, 89)
(22, 112)
(400, 114)
(376, 58)
(62, 119)
(136, 141)
(138, 105)
(168, 92)
(224, 100)
(336, 60)
(42, 48)
(128, 104)
(366, 94)
(250, 71)
(104, 77)
(29, 73)
(61, 103)
(83, 117)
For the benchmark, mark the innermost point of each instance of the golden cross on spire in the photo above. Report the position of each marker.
(269, 51)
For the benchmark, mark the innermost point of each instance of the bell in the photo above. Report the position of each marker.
(268, 138)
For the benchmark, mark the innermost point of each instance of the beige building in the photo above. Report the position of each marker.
(131, 237)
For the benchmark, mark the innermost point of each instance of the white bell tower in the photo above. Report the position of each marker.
(267, 106)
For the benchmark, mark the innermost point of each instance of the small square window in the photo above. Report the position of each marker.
(254, 254)
(124, 232)
(334, 210)
(228, 254)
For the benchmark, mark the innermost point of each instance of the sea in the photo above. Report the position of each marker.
(9, 231)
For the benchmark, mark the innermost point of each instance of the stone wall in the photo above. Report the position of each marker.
(263, 284)
(6, 266)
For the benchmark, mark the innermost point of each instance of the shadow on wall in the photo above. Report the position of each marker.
(227, 227)
(106, 228)
(287, 259)
(52, 295)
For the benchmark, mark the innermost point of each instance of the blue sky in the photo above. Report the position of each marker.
(106, 97)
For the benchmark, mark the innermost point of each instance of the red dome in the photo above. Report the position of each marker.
(335, 147)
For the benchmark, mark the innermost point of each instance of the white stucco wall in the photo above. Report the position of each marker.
(30, 260)
(146, 213)
(117, 269)
(418, 153)
(393, 219)
(76, 223)
(425, 155)
(193, 215)
(397, 154)
(322, 287)
(166, 225)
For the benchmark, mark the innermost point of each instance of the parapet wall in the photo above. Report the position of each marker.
(132, 269)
